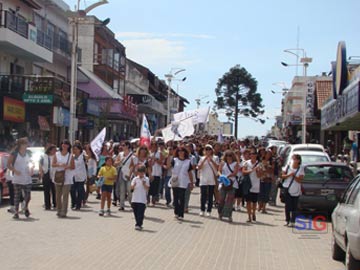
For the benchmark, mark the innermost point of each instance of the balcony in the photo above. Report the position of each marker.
(19, 38)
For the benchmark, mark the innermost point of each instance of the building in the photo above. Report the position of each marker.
(35, 68)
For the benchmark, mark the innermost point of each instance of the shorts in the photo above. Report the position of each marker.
(252, 197)
(107, 188)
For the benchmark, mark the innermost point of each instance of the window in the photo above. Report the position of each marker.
(354, 194)
(348, 190)
(37, 70)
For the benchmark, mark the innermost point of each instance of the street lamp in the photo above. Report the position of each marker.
(74, 21)
(305, 63)
(198, 100)
(170, 76)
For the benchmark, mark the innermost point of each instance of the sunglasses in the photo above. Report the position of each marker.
(208, 149)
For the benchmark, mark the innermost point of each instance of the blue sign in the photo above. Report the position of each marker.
(92, 107)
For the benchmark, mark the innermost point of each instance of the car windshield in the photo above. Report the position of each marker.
(327, 173)
(313, 158)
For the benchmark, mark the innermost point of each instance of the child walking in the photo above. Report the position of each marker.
(139, 186)
(109, 173)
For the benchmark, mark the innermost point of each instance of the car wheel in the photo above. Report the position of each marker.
(336, 251)
(350, 262)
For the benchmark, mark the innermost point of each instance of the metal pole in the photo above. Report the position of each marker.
(168, 99)
(73, 81)
(304, 105)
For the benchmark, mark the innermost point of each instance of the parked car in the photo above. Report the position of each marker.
(36, 154)
(346, 227)
(4, 192)
(288, 151)
(323, 185)
(308, 157)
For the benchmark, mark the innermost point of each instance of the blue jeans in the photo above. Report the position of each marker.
(77, 194)
(167, 189)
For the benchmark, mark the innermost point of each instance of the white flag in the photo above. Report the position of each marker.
(220, 138)
(198, 115)
(96, 144)
(177, 131)
(145, 135)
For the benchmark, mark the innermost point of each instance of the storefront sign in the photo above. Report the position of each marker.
(61, 117)
(37, 98)
(310, 99)
(14, 110)
(92, 107)
(342, 108)
(141, 99)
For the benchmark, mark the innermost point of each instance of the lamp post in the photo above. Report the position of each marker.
(170, 76)
(74, 21)
(305, 63)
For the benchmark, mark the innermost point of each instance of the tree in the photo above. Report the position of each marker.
(237, 93)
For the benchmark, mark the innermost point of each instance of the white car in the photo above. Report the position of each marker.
(308, 157)
(288, 151)
(346, 227)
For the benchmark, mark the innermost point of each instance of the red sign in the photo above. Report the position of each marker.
(14, 110)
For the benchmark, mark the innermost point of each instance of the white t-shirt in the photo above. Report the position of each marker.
(139, 195)
(295, 188)
(156, 168)
(64, 160)
(80, 168)
(22, 165)
(207, 173)
(226, 171)
(255, 180)
(125, 167)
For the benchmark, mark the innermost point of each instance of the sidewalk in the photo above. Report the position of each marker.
(86, 241)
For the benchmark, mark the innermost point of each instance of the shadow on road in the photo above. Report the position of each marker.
(154, 219)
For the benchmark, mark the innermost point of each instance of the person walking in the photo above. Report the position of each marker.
(108, 172)
(182, 170)
(251, 169)
(123, 161)
(80, 175)
(63, 161)
(19, 162)
(139, 187)
(208, 166)
(45, 173)
(228, 167)
(293, 176)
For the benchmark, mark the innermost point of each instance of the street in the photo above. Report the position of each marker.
(86, 241)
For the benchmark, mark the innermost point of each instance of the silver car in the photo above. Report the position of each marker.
(36, 154)
(346, 227)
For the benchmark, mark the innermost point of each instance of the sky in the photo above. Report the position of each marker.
(208, 37)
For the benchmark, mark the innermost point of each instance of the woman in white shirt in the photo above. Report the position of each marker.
(63, 162)
(293, 176)
(80, 175)
(45, 173)
(207, 167)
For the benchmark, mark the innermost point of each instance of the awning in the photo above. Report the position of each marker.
(93, 85)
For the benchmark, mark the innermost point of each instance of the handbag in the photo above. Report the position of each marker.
(284, 191)
(174, 181)
(59, 177)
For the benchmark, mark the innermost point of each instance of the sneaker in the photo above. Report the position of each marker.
(180, 218)
(27, 213)
(122, 209)
(201, 213)
(108, 212)
(16, 216)
(208, 214)
(101, 212)
(138, 228)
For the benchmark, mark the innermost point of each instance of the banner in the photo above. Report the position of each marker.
(145, 135)
(177, 131)
(220, 137)
(96, 144)
(14, 110)
(198, 115)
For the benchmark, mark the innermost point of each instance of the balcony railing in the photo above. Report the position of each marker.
(15, 23)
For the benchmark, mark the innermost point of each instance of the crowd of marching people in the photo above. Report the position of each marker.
(230, 175)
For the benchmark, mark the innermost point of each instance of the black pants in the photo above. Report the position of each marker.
(207, 195)
(139, 211)
(179, 201)
(77, 194)
(291, 204)
(49, 192)
(154, 189)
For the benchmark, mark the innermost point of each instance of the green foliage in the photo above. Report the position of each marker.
(238, 88)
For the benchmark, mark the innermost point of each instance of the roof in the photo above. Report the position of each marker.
(323, 92)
